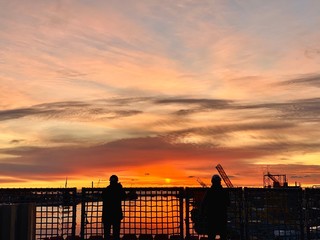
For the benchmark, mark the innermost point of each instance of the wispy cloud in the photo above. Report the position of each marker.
(68, 110)
(149, 82)
(307, 79)
(208, 103)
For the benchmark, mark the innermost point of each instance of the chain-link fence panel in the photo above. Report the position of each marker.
(273, 213)
(147, 211)
(55, 214)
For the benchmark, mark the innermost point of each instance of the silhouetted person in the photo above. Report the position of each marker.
(112, 214)
(214, 209)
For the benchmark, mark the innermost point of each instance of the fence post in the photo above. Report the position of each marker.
(187, 220)
(302, 222)
(83, 213)
(181, 199)
(245, 213)
(74, 210)
(7, 221)
(17, 221)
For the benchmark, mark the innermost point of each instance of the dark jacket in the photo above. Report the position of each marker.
(112, 197)
(214, 206)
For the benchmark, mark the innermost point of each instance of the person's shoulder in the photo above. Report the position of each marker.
(210, 191)
(216, 190)
(104, 192)
(119, 186)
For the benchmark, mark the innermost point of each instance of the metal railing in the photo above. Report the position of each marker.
(165, 213)
(194, 198)
(55, 209)
(273, 213)
(154, 211)
(312, 213)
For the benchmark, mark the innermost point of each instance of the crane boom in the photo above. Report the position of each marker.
(224, 176)
(201, 183)
(272, 177)
(279, 180)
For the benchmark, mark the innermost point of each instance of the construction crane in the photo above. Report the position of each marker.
(279, 180)
(224, 176)
(201, 183)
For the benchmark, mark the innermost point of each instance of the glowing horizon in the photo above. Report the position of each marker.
(158, 92)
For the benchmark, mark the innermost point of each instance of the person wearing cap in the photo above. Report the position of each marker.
(214, 209)
(112, 214)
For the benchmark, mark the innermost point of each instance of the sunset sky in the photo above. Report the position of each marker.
(158, 91)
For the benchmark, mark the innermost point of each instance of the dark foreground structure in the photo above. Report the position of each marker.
(164, 213)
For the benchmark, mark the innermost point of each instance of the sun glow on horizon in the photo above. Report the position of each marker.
(158, 93)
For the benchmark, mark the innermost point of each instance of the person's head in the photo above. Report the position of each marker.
(113, 179)
(216, 180)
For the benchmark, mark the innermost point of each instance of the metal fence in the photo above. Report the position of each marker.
(165, 213)
(312, 216)
(55, 209)
(153, 212)
(273, 213)
(194, 198)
